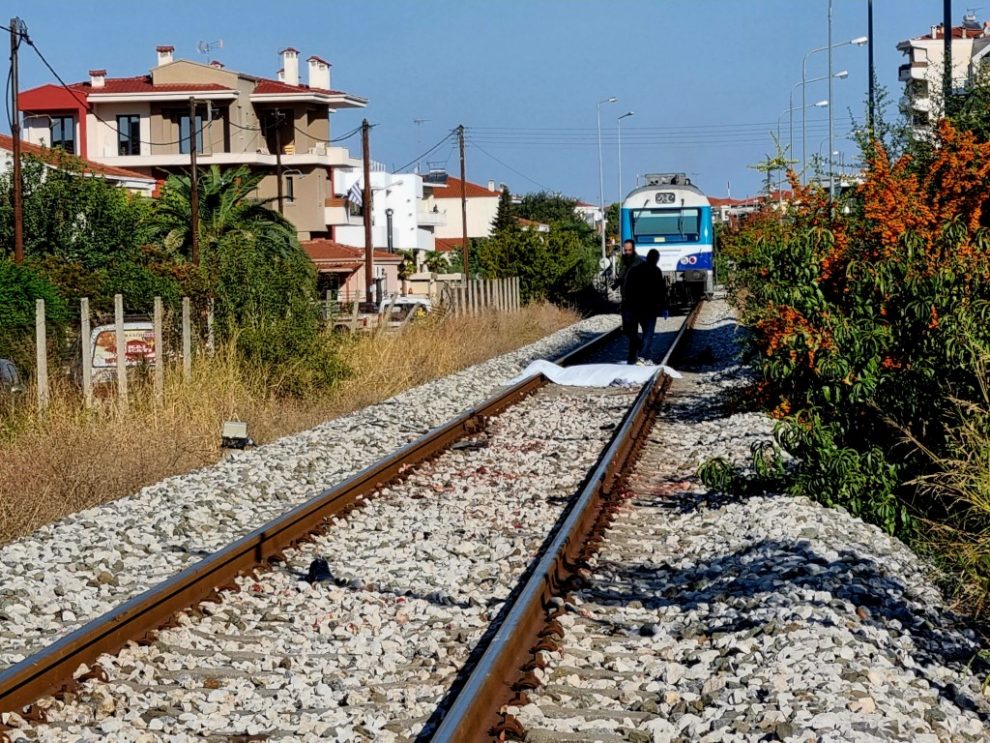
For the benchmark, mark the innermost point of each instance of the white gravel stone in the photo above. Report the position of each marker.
(771, 618)
(73, 570)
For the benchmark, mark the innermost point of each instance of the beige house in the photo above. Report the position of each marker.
(147, 124)
(482, 206)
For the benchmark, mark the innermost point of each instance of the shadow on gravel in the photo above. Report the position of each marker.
(767, 573)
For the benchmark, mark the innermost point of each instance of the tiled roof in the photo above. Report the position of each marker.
(453, 190)
(322, 251)
(55, 157)
(141, 84)
(446, 244)
(270, 87)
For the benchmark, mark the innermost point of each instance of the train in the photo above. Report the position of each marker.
(672, 215)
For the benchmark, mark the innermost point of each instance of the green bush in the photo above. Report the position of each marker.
(20, 287)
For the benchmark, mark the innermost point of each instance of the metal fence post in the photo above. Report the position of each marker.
(87, 352)
(41, 353)
(121, 347)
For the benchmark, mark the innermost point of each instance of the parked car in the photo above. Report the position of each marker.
(10, 379)
(393, 312)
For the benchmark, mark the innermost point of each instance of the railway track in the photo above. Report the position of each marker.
(213, 639)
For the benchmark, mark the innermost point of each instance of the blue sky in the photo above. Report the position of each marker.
(707, 79)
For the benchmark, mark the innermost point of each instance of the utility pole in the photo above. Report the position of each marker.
(831, 107)
(464, 235)
(369, 255)
(871, 110)
(15, 130)
(193, 184)
(278, 159)
(947, 56)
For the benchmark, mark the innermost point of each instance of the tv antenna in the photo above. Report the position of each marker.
(205, 47)
(419, 136)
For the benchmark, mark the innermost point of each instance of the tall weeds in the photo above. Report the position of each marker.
(69, 458)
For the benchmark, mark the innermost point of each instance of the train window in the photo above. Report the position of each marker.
(676, 223)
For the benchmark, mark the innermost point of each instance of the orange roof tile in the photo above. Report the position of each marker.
(453, 190)
(323, 251)
(55, 157)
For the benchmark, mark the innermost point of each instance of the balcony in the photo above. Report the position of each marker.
(429, 218)
(912, 71)
(909, 103)
(335, 211)
(330, 157)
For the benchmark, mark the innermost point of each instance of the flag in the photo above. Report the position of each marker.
(355, 196)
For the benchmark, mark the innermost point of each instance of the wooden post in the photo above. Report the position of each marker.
(120, 341)
(186, 339)
(327, 311)
(501, 295)
(516, 293)
(41, 353)
(159, 353)
(87, 352)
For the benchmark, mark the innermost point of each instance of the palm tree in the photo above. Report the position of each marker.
(227, 208)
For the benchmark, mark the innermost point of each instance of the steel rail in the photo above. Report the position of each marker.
(53, 667)
(476, 712)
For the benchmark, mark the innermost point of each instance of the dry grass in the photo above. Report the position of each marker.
(70, 458)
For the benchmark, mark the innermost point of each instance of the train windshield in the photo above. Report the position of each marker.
(684, 224)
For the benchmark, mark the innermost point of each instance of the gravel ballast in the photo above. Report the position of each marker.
(76, 569)
(762, 619)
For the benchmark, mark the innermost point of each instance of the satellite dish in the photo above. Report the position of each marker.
(203, 47)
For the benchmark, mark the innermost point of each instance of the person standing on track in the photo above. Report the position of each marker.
(627, 262)
(644, 296)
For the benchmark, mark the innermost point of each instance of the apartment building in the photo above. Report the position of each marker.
(146, 124)
(922, 72)
(482, 206)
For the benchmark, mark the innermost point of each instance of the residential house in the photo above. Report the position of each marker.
(128, 179)
(590, 213)
(482, 206)
(922, 73)
(340, 270)
(148, 124)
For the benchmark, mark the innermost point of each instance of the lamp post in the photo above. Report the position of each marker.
(792, 109)
(601, 167)
(841, 75)
(858, 41)
(388, 228)
(618, 127)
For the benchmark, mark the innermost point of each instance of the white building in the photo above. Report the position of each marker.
(922, 73)
(482, 206)
(399, 200)
(590, 213)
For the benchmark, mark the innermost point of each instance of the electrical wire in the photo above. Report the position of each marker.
(506, 165)
(420, 157)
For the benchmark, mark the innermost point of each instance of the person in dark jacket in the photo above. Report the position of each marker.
(644, 296)
(627, 261)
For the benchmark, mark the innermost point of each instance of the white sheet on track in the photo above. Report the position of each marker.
(591, 375)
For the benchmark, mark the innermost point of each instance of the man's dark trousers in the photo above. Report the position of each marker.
(649, 325)
(630, 328)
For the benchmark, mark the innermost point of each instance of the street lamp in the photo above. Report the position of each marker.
(601, 168)
(388, 228)
(790, 102)
(618, 126)
(858, 41)
(790, 111)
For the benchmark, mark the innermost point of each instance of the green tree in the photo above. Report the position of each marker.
(227, 207)
(504, 218)
(547, 207)
(20, 286)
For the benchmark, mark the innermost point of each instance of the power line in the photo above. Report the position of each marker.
(505, 164)
(420, 157)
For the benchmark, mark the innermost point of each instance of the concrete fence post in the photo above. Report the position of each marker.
(210, 333)
(120, 342)
(186, 339)
(87, 352)
(41, 353)
(327, 307)
(159, 353)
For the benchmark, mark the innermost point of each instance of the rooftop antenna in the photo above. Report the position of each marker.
(419, 137)
(205, 47)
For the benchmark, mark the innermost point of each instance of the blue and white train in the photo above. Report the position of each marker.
(672, 215)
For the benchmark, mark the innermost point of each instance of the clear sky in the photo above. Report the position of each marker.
(707, 79)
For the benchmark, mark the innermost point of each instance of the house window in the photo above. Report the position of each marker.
(63, 131)
(184, 134)
(290, 188)
(129, 135)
